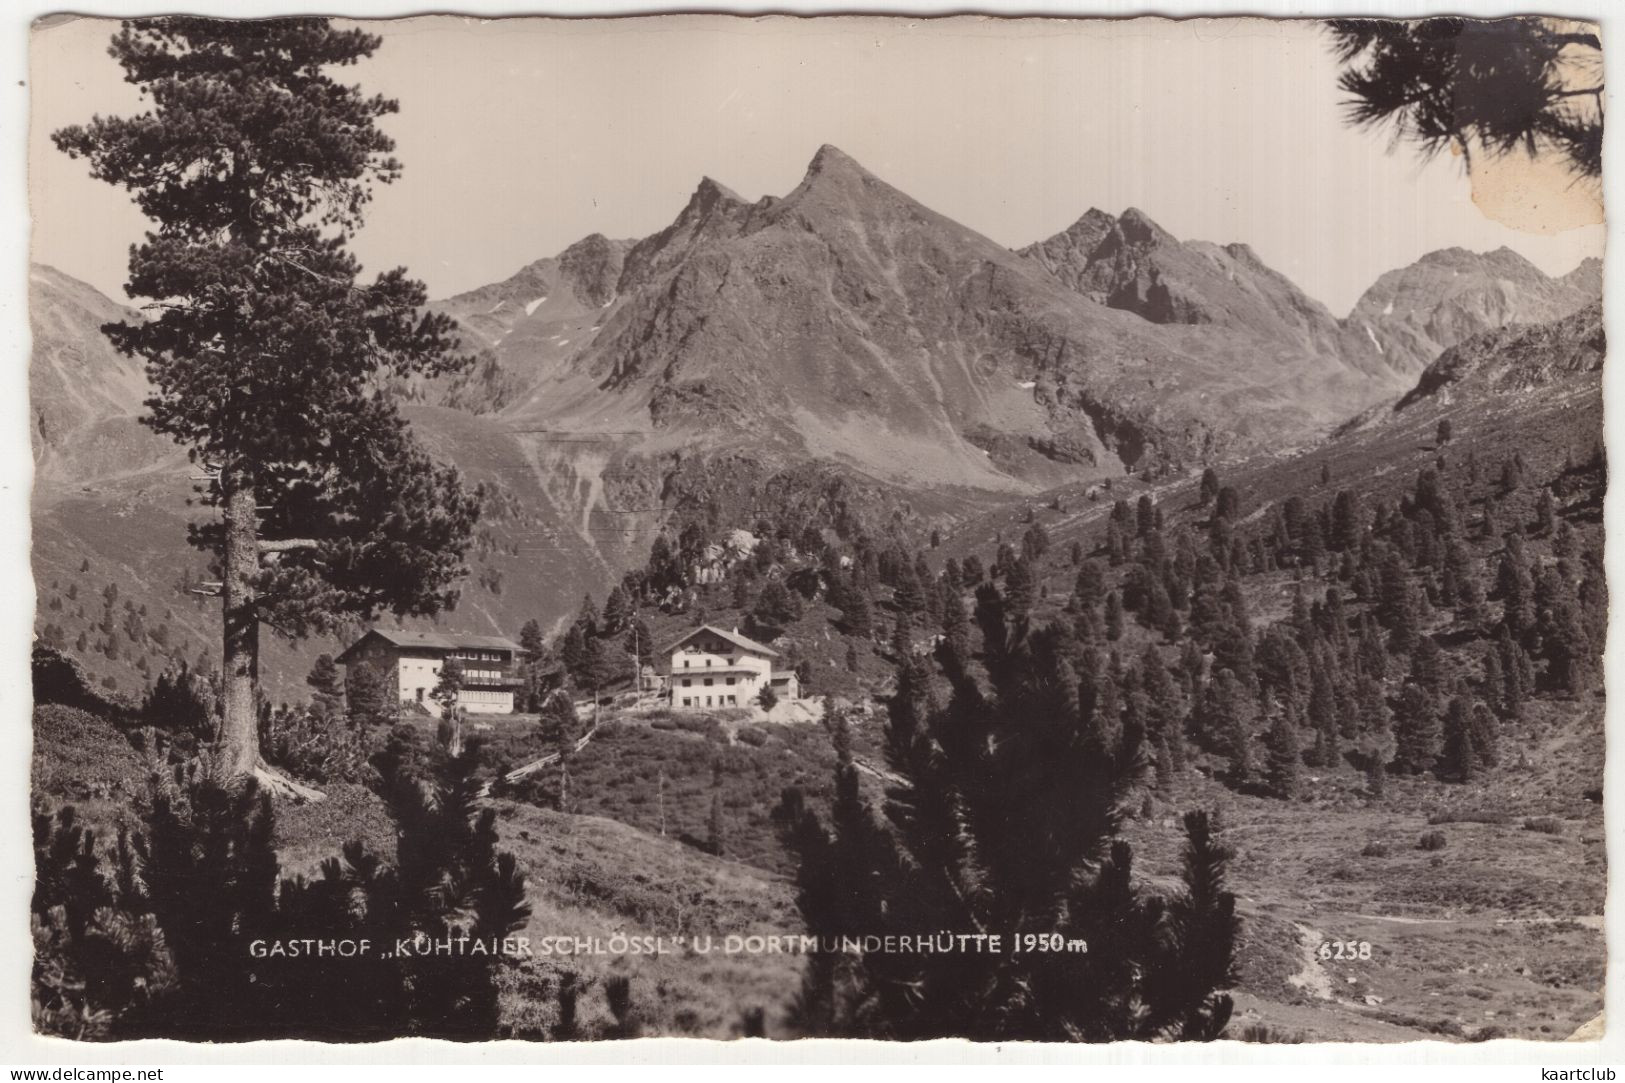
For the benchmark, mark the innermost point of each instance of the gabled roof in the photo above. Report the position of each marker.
(743, 642)
(437, 641)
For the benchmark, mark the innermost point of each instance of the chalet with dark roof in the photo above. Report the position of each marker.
(714, 667)
(490, 665)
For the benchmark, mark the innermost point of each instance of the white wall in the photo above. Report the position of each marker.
(418, 679)
(721, 664)
(417, 675)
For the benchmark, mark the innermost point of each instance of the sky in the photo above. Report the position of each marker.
(520, 136)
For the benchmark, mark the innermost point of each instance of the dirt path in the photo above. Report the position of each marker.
(1400, 919)
(1312, 978)
(540, 762)
(1589, 921)
(870, 769)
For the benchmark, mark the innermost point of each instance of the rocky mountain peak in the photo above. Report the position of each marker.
(832, 161)
(1088, 231)
(592, 266)
(1067, 254)
(1411, 315)
(1137, 228)
(709, 194)
(1587, 276)
(835, 179)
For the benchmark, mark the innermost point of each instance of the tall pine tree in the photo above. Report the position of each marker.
(254, 165)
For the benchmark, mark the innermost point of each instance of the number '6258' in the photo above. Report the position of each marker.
(1345, 949)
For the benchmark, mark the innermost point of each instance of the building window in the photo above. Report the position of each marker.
(686, 663)
(732, 679)
(708, 701)
(733, 701)
(708, 682)
(687, 683)
(687, 702)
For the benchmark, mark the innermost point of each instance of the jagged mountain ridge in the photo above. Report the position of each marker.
(578, 281)
(1412, 314)
(1403, 321)
(1131, 263)
(848, 322)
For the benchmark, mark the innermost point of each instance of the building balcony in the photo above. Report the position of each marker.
(492, 682)
(711, 671)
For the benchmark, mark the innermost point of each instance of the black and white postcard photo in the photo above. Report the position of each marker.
(716, 526)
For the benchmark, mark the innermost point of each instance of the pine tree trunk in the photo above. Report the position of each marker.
(239, 734)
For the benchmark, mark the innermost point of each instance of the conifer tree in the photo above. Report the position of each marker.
(1427, 666)
(1511, 476)
(1459, 759)
(1376, 778)
(1114, 616)
(968, 823)
(1559, 630)
(326, 688)
(1165, 708)
(857, 612)
(775, 610)
(1116, 543)
(955, 650)
(741, 587)
(1374, 746)
(1019, 588)
(254, 165)
(1396, 604)
(1416, 730)
(1494, 683)
(575, 656)
(1517, 674)
(1322, 708)
(617, 611)
(1192, 667)
(587, 618)
(1233, 650)
(1372, 655)
(1347, 522)
(931, 607)
(1089, 590)
(1167, 770)
(202, 869)
(1231, 722)
(1283, 763)
(640, 642)
(559, 724)
(1035, 542)
(447, 692)
(1545, 513)
(902, 636)
(1486, 735)
(371, 694)
(531, 642)
(910, 592)
(1208, 491)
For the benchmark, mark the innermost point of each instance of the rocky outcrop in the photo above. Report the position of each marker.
(1511, 360)
(1413, 314)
